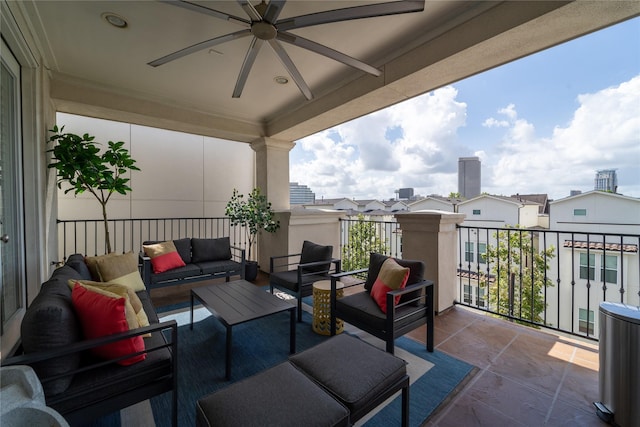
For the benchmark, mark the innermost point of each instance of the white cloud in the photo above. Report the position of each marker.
(603, 133)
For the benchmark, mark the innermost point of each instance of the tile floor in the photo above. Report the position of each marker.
(524, 377)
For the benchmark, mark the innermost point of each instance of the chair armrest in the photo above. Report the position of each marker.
(277, 257)
(427, 285)
(81, 346)
(238, 253)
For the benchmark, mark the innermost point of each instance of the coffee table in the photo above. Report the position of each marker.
(237, 302)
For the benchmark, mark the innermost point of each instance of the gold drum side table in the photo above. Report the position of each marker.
(322, 307)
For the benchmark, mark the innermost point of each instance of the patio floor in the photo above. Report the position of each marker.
(524, 377)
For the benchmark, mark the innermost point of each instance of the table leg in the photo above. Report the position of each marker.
(292, 331)
(228, 354)
(191, 325)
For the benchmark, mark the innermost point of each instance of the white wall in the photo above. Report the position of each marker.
(182, 175)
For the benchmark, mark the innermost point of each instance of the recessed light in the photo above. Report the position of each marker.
(115, 20)
(281, 80)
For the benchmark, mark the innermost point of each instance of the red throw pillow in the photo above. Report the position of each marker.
(164, 256)
(102, 315)
(392, 276)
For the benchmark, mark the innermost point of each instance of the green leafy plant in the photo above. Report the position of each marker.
(254, 213)
(520, 271)
(363, 238)
(78, 162)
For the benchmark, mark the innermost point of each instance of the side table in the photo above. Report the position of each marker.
(322, 307)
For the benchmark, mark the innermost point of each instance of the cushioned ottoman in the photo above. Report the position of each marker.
(356, 373)
(279, 396)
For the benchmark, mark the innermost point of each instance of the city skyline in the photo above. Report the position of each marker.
(543, 124)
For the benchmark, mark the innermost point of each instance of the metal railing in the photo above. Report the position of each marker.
(547, 278)
(540, 278)
(87, 237)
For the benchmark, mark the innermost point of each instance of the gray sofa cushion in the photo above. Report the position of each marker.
(362, 308)
(289, 280)
(312, 252)
(213, 267)
(189, 270)
(210, 249)
(352, 370)
(50, 322)
(76, 261)
(280, 396)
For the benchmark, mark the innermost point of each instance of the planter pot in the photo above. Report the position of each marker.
(251, 271)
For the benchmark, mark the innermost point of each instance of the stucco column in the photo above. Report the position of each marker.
(272, 170)
(431, 236)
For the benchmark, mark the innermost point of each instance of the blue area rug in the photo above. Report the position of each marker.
(263, 343)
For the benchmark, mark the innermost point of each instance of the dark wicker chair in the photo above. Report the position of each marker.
(360, 310)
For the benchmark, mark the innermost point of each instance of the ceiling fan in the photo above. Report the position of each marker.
(263, 25)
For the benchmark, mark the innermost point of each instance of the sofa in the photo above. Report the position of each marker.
(85, 375)
(194, 260)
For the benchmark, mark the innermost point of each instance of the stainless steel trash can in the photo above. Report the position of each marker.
(619, 376)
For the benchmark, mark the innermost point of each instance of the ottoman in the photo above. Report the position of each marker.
(279, 396)
(356, 373)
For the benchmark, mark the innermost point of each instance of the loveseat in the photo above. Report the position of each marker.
(84, 378)
(201, 259)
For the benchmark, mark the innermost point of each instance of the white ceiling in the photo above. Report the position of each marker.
(101, 70)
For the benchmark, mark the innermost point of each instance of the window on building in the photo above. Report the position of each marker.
(467, 293)
(482, 297)
(476, 212)
(482, 253)
(579, 212)
(587, 266)
(585, 321)
(468, 251)
(609, 270)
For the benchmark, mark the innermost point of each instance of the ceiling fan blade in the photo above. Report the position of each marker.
(273, 10)
(201, 9)
(250, 10)
(249, 59)
(327, 51)
(357, 12)
(291, 69)
(199, 46)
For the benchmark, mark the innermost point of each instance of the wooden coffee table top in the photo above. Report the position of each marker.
(239, 301)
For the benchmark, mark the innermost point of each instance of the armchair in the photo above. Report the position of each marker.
(414, 309)
(296, 273)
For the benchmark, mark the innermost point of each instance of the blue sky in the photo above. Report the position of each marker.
(542, 124)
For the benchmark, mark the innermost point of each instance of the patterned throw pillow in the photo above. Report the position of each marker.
(164, 256)
(392, 276)
(121, 269)
(102, 315)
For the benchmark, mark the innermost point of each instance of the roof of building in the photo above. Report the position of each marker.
(612, 247)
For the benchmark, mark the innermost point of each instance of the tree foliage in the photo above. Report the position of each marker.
(78, 162)
(254, 213)
(520, 271)
(363, 238)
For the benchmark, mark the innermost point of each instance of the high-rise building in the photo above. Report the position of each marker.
(606, 180)
(300, 194)
(469, 177)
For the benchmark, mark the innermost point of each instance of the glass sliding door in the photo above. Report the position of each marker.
(12, 277)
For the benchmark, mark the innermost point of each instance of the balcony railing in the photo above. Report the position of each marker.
(87, 236)
(546, 278)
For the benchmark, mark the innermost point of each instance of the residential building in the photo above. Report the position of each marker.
(469, 177)
(600, 270)
(434, 202)
(300, 194)
(606, 180)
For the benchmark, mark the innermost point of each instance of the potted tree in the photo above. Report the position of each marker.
(78, 162)
(255, 215)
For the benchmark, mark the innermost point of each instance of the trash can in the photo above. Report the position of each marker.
(619, 376)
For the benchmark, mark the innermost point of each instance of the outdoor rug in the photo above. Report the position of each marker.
(263, 343)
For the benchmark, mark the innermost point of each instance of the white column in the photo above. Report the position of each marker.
(272, 170)
(431, 236)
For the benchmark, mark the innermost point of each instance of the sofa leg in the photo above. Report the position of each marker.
(300, 309)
